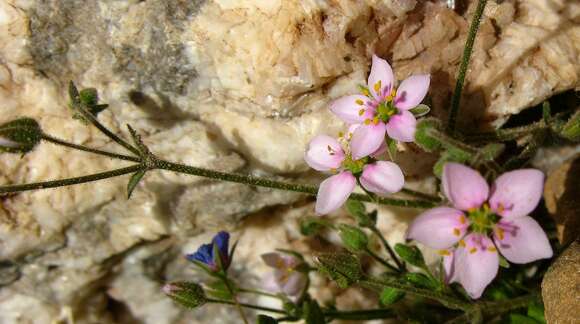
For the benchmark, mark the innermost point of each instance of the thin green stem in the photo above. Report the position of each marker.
(251, 306)
(456, 99)
(381, 260)
(70, 181)
(57, 141)
(258, 292)
(389, 249)
(76, 102)
(226, 281)
(447, 300)
(268, 183)
(420, 195)
(360, 315)
(507, 134)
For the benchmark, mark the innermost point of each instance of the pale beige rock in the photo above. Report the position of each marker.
(229, 85)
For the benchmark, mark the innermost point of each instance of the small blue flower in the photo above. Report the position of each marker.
(205, 253)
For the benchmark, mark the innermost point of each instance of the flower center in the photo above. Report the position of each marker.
(354, 166)
(384, 110)
(482, 219)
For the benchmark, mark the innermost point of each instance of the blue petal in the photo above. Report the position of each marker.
(203, 254)
(222, 240)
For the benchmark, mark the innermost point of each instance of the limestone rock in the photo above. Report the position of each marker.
(561, 194)
(561, 287)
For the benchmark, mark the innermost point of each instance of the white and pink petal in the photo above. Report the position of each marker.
(463, 186)
(333, 192)
(412, 91)
(402, 126)
(381, 78)
(352, 109)
(522, 240)
(382, 177)
(476, 264)
(367, 139)
(439, 228)
(517, 193)
(324, 153)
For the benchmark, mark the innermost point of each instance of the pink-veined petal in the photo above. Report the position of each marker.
(522, 240)
(438, 228)
(273, 259)
(294, 283)
(382, 177)
(517, 193)
(324, 153)
(366, 139)
(463, 186)
(270, 282)
(381, 75)
(333, 192)
(401, 126)
(349, 109)
(476, 264)
(412, 91)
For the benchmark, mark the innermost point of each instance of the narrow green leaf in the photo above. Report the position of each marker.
(392, 148)
(390, 296)
(546, 112)
(503, 262)
(571, 130)
(421, 280)
(423, 136)
(134, 181)
(358, 210)
(353, 238)
(536, 311)
(344, 268)
(411, 255)
(515, 318)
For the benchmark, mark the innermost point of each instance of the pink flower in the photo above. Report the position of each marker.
(285, 278)
(382, 109)
(483, 222)
(327, 154)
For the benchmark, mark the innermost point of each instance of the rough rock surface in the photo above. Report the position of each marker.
(561, 287)
(230, 85)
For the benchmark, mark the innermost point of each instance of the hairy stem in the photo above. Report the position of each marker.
(389, 249)
(57, 141)
(360, 315)
(381, 260)
(268, 183)
(251, 306)
(456, 99)
(70, 181)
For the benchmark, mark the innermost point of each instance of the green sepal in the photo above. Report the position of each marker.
(188, 294)
(354, 239)
(312, 313)
(503, 262)
(344, 268)
(571, 129)
(358, 210)
(421, 280)
(313, 225)
(392, 148)
(134, 181)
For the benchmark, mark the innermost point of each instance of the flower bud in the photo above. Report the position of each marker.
(410, 254)
(20, 135)
(344, 268)
(188, 294)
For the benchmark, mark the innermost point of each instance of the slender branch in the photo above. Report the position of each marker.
(360, 315)
(268, 183)
(507, 134)
(421, 195)
(389, 249)
(381, 260)
(70, 181)
(446, 300)
(257, 292)
(57, 141)
(456, 99)
(251, 306)
(75, 98)
(226, 281)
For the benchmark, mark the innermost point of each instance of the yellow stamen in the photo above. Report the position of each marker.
(486, 207)
(378, 86)
(500, 208)
(500, 233)
(473, 250)
(443, 252)
(340, 134)
(359, 102)
(492, 249)
(367, 121)
(456, 231)
(361, 112)
(471, 210)
(333, 170)
(376, 120)
(462, 243)
(365, 92)
(462, 219)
